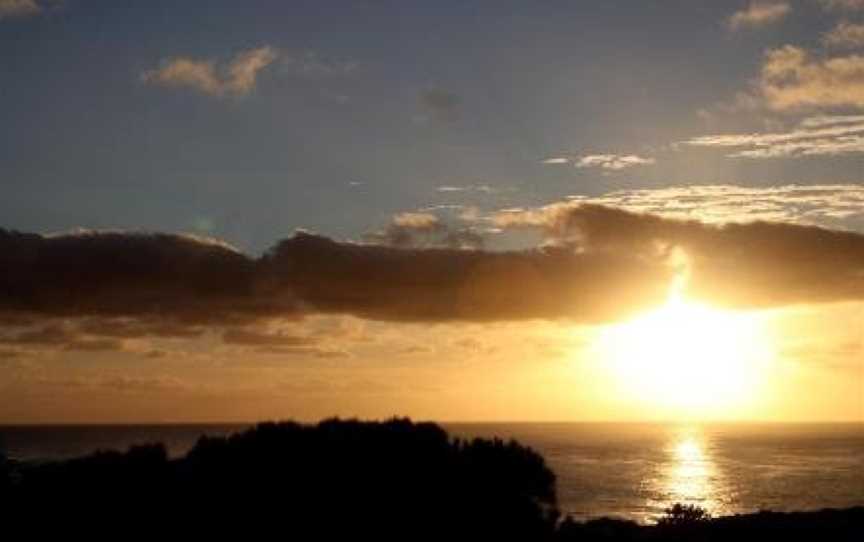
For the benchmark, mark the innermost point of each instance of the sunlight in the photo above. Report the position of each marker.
(689, 475)
(688, 355)
(688, 478)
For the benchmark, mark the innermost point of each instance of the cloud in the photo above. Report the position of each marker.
(46, 336)
(424, 229)
(19, 8)
(840, 205)
(792, 79)
(555, 160)
(482, 188)
(128, 274)
(236, 78)
(845, 35)
(321, 353)
(829, 120)
(600, 263)
(754, 264)
(59, 336)
(118, 284)
(815, 136)
(388, 283)
(137, 328)
(247, 337)
(613, 162)
(95, 345)
(759, 13)
(409, 229)
(420, 221)
(180, 72)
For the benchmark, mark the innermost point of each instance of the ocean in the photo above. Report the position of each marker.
(630, 471)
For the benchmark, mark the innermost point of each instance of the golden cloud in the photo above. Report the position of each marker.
(236, 78)
(759, 13)
(793, 79)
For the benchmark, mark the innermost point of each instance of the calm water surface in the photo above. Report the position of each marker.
(625, 470)
(636, 471)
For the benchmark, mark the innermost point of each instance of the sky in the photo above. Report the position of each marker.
(454, 210)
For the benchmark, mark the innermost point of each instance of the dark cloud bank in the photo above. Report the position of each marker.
(601, 264)
(754, 264)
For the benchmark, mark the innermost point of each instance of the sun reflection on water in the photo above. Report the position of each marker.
(689, 475)
(690, 472)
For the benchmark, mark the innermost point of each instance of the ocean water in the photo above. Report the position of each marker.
(632, 471)
(636, 471)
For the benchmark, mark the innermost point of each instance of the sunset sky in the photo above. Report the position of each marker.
(452, 210)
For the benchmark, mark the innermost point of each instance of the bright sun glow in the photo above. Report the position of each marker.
(689, 356)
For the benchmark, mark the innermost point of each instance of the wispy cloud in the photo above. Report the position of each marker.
(614, 162)
(830, 205)
(416, 220)
(815, 136)
(829, 120)
(253, 337)
(236, 78)
(425, 229)
(759, 13)
(483, 188)
(555, 160)
(607, 161)
(60, 336)
(845, 35)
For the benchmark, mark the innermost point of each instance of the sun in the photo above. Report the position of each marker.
(689, 356)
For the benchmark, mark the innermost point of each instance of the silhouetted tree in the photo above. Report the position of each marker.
(680, 515)
(331, 481)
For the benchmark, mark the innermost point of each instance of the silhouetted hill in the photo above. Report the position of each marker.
(345, 480)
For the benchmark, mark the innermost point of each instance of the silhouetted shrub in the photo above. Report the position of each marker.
(683, 515)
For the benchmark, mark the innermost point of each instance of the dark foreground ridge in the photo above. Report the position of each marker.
(345, 480)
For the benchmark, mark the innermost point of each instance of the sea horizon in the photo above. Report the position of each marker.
(632, 470)
(436, 421)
